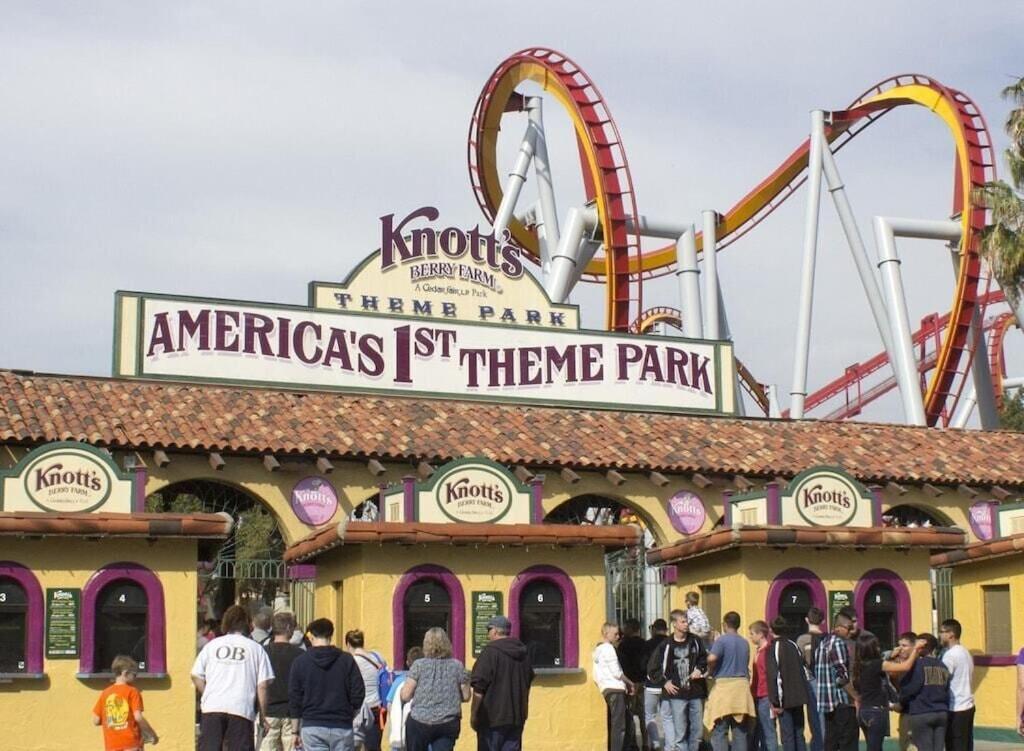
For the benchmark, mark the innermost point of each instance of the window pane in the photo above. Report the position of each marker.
(121, 624)
(11, 595)
(794, 602)
(541, 628)
(13, 613)
(427, 606)
(997, 620)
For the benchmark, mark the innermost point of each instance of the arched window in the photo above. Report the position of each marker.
(21, 621)
(545, 616)
(880, 614)
(541, 623)
(427, 605)
(794, 602)
(13, 627)
(121, 624)
(793, 589)
(413, 613)
(123, 613)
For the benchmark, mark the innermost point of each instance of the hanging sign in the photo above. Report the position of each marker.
(314, 501)
(65, 477)
(827, 497)
(686, 512)
(486, 605)
(837, 600)
(63, 612)
(982, 518)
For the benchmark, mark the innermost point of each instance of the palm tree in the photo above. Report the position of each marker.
(1002, 241)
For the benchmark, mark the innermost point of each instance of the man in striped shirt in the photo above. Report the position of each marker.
(832, 664)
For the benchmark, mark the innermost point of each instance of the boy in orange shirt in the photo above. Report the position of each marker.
(119, 710)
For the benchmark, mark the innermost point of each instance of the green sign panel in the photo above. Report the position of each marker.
(837, 600)
(486, 605)
(63, 614)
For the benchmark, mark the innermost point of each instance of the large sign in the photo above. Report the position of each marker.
(184, 338)
(314, 501)
(449, 274)
(465, 491)
(66, 477)
(827, 497)
(63, 616)
(486, 605)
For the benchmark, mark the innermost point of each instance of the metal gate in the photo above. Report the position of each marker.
(634, 589)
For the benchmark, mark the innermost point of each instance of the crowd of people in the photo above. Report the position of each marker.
(686, 685)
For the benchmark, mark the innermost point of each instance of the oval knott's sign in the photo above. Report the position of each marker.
(474, 493)
(826, 499)
(68, 480)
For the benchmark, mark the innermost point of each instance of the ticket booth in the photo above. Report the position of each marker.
(816, 541)
(458, 549)
(84, 577)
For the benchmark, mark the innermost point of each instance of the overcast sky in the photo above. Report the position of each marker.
(242, 149)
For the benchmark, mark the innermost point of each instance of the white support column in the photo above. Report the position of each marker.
(710, 255)
(514, 184)
(726, 333)
(981, 373)
(963, 413)
(563, 262)
(802, 350)
(688, 275)
(548, 213)
(905, 365)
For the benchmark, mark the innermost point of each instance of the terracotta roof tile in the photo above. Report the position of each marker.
(147, 414)
(43, 524)
(980, 551)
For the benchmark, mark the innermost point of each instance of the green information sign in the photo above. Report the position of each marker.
(63, 613)
(837, 600)
(486, 605)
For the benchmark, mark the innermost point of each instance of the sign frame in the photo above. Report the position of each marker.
(76, 616)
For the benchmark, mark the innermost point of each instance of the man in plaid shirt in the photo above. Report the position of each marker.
(832, 663)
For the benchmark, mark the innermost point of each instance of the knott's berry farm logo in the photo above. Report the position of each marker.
(434, 254)
(473, 494)
(67, 481)
(314, 501)
(826, 500)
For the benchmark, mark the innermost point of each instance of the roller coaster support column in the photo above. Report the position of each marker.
(803, 331)
(726, 333)
(711, 319)
(963, 413)
(689, 283)
(981, 374)
(516, 178)
(857, 248)
(563, 262)
(545, 188)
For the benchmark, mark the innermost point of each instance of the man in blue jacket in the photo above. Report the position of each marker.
(325, 690)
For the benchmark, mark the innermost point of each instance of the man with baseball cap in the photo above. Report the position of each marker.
(501, 681)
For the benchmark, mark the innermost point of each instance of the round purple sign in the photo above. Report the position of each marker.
(686, 512)
(981, 518)
(314, 501)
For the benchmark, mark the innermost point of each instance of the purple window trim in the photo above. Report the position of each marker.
(33, 614)
(794, 576)
(156, 629)
(537, 499)
(450, 582)
(773, 496)
(995, 661)
(899, 590)
(876, 507)
(570, 608)
(139, 501)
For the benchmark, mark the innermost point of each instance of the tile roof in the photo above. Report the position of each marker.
(120, 413)
(412, 533)
(726, 538)
(980, 551)
(42, 524)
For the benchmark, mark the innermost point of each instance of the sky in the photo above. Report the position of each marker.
(241, 149)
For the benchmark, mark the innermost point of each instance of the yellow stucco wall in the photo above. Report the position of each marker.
(566, 711)
(995, 686)
(55, 714)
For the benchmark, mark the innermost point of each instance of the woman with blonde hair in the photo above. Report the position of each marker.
(439, 683)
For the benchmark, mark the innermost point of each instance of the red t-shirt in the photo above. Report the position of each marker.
(759, 682)
(116, 708)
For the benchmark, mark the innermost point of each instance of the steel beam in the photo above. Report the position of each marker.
(688, 275)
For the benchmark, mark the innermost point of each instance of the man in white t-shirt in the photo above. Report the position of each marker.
(956, 658)
(230, 673)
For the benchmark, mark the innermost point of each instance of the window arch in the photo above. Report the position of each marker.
(539, 618)
(415, 584)
(109, 622)
(22, 621)
(883, 603)
(786, 582)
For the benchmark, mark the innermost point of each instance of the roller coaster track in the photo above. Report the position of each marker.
(996, 357)
(608, 181)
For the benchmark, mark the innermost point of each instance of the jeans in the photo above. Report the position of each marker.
(421, 736)
(683, 721)
(327, 739)
(841, 729)
(616, 713)
(814, 718)
(929, 730)
(280, 736)
(960, 730)
(503, 738)
(219, 729)
(652, 733)
(720, 734)
(874, 721)
(766, 737)
(791, 723)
